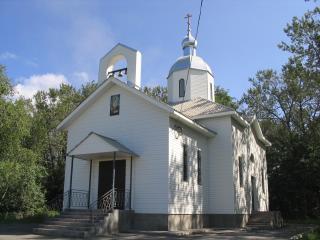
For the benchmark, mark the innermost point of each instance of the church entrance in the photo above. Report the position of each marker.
(105, 181)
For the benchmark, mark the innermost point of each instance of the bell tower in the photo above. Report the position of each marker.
(190, 76)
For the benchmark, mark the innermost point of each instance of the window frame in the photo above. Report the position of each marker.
(116, 113)
(199, 165)
(182, 89)
(241, 171)
(262, 181)
(185, 163)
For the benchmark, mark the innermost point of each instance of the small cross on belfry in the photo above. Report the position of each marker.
(188, 16)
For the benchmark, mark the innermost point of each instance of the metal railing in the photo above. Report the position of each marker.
(105, 202)
(80, 199)
(69, 199)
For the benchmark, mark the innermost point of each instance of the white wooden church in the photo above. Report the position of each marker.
(188, 163)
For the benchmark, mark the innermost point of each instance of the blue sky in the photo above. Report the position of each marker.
(44, 43)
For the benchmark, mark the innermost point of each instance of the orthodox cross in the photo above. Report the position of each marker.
(188, 16)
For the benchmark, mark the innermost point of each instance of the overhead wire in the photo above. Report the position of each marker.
(197, 31)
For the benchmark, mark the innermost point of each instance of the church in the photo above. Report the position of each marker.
(182, 164)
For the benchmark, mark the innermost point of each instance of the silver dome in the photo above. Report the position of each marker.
(184, 62)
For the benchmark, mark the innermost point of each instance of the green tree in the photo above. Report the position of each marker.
(20, 173)
(288, 103)
(158, 92)
(50, 108)
(222, 96)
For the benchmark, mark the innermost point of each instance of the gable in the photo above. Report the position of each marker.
(155, 104)
(98, 93)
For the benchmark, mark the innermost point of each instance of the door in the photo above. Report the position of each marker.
(253, 191)
(105, 179)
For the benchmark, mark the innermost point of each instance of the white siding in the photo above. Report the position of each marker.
(220, 165)
(186, 197)
(197, 85)
(245, 144)
(141, 127)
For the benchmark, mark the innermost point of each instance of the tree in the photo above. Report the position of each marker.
(20, 173)
(50, 108)
(222, 96)
(288, 103)
(158, 92)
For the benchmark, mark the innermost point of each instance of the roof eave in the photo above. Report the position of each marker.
(233, 114)
(189, 122)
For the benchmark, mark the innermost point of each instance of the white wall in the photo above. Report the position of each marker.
(186, 197)
(196, 86)
(220, 165)
(141, 127)
(244, 144)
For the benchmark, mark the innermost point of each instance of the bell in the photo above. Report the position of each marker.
(120, 74)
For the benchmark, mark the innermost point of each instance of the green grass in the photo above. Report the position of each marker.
(25, 218)
(314, 235)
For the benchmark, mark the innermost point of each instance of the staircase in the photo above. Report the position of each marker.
(72, 223)
(264, 220)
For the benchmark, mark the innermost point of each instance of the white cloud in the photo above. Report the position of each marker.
(7, 55)
(80, 78)
(29, 86)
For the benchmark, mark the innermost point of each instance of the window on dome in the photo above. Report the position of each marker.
(182, 88)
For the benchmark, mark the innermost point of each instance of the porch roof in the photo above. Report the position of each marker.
(96, 146)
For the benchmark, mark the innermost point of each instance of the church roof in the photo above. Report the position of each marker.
(200, 107)
(185, 62)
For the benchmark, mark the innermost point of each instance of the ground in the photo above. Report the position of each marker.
(24, 232)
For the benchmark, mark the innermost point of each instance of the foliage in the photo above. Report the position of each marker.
(20, 173)
(50, 108)
(158, 92)
(288, 103)
(32, 152)
(222, 96)
(20, 217)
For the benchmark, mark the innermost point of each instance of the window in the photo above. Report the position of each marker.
(199, 166)
(185, 163)
(252, 158)
(115, 105)
(241, 171)
(182, 88)
(262, 178)
(211, 92)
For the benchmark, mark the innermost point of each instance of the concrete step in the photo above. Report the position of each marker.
(69, 223)
(67, 227)
(80, 217)
(61, 233)
(70, 219)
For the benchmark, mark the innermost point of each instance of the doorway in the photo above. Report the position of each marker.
(106, 175)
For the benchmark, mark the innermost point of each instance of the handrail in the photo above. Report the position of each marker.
(77, 198)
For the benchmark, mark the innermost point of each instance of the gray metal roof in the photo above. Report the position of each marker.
(185, 63)
(200, 107)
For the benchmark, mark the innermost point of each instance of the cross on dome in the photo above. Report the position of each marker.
(189, 43)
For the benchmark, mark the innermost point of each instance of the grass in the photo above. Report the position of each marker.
(25, 218)
(313, 235)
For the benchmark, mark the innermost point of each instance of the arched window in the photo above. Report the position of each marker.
(182, 88)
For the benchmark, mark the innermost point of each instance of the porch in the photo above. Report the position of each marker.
(113, 170)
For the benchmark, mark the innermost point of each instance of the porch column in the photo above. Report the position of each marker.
(89, 192)
(113, 178)
(130, 196)
(70, 187)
